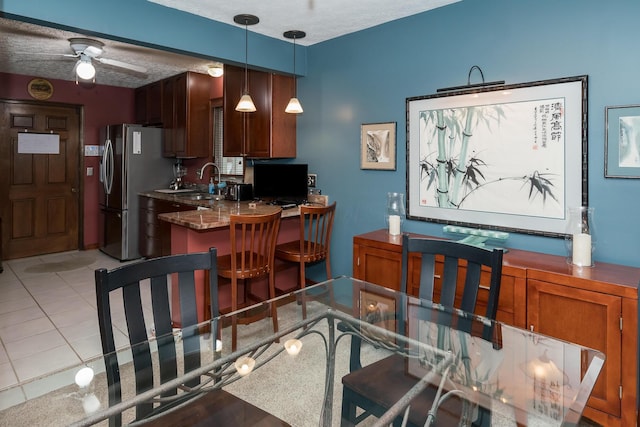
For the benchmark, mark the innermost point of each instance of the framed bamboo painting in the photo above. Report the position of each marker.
(510, 157)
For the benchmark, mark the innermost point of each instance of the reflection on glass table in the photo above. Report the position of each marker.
(518, 375)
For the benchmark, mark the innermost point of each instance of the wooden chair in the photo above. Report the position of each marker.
(217, 405)
(376, 387)
(253, 242)
(314, 242)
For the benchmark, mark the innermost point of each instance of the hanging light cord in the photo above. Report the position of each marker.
(295, 77)
(246, 56)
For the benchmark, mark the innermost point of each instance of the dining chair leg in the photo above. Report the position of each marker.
(303, 284)
(234, 308)
(272, 295)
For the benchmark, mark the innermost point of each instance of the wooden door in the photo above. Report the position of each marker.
(39, 192)
(588, 318)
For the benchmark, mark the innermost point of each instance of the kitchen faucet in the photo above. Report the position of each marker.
(200, 174)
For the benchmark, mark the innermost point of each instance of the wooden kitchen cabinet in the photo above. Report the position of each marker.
(564, 312)
(155, 235)
(268, 132)
(148, 104)
(185, 115)
(596, 307)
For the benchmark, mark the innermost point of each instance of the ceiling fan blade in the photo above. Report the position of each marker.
(121, 64)
(67, 55)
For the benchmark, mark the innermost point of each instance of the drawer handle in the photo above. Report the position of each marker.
(486, 288)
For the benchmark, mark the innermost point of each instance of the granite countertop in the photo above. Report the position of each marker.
(211, 214)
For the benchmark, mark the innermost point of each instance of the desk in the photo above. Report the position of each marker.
(518, 374)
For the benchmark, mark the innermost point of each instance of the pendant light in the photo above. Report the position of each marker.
(246, 104)
(294, 106)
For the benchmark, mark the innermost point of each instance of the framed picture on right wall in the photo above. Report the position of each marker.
(622, 142)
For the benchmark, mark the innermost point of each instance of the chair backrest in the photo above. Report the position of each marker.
(468, 277)
(130, 282)
(253, 243)
(316, 225)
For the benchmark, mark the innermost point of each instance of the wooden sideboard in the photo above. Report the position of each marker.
(596, 307)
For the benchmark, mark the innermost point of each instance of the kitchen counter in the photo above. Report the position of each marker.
(206, 226)
(212, 214)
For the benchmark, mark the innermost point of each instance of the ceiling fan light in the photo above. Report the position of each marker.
(294, 106)
(246, 105)
(85, 70)
(215, 70)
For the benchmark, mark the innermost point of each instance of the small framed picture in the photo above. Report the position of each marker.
(622, 142)
(378, 146)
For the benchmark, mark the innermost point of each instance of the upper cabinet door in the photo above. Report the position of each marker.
(268, 132)
(233, 121)
(185, 115)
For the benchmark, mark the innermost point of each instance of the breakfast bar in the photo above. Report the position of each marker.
(208, 226)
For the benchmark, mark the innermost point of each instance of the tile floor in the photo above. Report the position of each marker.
(48, 317)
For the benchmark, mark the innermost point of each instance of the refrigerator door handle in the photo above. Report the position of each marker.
(107, 160)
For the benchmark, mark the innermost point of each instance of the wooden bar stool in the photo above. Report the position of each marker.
(253, 241)
(314, 243)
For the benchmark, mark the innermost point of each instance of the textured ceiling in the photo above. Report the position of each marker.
(39, 51)
(320, 19)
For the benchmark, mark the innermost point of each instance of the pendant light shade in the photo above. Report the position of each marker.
(246, 104)
(294, 106)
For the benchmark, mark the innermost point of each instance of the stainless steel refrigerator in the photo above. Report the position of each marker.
(131, 162)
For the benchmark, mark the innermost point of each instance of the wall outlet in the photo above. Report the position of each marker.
(311, 180)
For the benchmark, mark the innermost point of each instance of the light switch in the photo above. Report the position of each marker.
(90, 171)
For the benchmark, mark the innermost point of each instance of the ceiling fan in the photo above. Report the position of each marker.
(88, 50)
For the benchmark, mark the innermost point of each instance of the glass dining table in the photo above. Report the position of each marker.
(520, 377)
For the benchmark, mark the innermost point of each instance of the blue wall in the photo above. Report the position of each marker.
(365, 77)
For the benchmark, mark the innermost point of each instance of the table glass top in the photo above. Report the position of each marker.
(295, 374)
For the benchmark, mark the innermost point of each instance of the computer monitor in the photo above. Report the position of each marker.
(280, 182)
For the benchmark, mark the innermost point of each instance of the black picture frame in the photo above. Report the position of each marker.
(513, 157)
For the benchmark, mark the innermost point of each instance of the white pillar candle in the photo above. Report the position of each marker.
(581, 249)
(394, 225)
